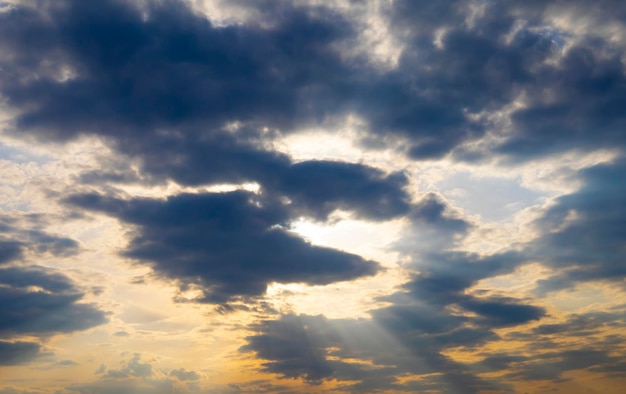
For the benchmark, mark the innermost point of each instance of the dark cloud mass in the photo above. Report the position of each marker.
(172, 69)
(226, 244)
(166, 73)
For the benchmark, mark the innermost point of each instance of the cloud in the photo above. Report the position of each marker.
(36, 301)
(318, 188)
(12, 390)
(116, 386)
(14, 353)
(65, 363)
(52, 309)
(431, 315)
(585, 92)
(138, 377)
(583, 233)
(134, 367)
(479, 58)
(502, 312)
(315, 349)
(193, 102)
(170, 69)
(121, 334)
(183, 374)
(182, 99)
(161, 78)
(227, 245)
(552, 365)
(295, 346)
(20, 235)
(10, 250)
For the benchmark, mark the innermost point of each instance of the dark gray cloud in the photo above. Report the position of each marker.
(166, 70)
(577, 106)
(10, 250)
(502, 312)
(52, 308)
(227, 244)
(584, 236)
(168, 84)
(315, 348)
(20, 235)
(165, 89)
(158, 81)
(317, 188)
(598, 332)
(552, 365)
(489, 55)
(14, 353)
(411, 337)
(36, 301)
(187, 99)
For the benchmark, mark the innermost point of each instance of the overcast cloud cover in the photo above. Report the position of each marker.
(290, 196)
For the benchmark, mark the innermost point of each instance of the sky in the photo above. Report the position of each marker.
(307, 196)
